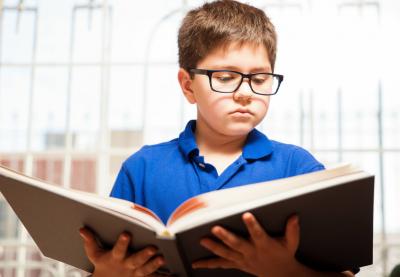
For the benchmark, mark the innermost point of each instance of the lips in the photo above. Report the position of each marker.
(241, 111)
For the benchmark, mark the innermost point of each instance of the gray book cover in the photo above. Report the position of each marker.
(336, 227)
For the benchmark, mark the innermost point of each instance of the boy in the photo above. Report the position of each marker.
(226, 55)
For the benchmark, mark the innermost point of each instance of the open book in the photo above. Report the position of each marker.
(335, 207)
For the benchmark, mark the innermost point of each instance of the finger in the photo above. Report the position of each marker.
(139, 258)
(256, 231)
(213, 263)
(221, 250)
(233, 241)
(150, 267)
(118, 252)
(292, 234)
(90, 245)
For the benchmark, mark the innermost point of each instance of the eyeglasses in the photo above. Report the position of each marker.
(227, 81)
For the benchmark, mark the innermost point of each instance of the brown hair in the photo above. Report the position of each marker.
(219, 23)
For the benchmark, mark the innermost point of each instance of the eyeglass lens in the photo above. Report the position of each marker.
(226, 81)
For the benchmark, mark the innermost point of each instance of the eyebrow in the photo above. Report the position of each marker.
(235, 68)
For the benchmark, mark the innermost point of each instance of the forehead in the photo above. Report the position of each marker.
(241, 56)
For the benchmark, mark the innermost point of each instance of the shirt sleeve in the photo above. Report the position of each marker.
(123, 187)
(302, 162)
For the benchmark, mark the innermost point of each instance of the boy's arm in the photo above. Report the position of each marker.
(260, 255)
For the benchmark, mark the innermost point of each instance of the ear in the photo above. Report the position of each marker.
(186, 85)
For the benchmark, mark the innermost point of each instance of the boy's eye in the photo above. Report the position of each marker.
(260, 79)
(225, 77)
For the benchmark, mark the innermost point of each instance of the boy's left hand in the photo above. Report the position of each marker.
(260, 255)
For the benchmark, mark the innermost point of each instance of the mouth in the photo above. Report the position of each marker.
(242, 112)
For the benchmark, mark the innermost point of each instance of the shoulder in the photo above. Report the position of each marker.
(289, 149)
(297, 159)
(152, 153)
(156, 148)
(146, 160)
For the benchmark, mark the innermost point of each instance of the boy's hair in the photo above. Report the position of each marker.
(219, 23)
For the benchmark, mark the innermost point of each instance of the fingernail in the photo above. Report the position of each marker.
(219, 231)
(82, 235)
(248, 217)
(247, 214)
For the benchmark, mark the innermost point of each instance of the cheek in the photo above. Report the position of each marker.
(262, 105)
(203, 93)
(266, 106)
(213, 101)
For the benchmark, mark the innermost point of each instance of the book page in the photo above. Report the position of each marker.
(203, 207)
(136, 213)
(187, 207)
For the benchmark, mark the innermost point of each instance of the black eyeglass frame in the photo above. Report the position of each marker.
(209, 73)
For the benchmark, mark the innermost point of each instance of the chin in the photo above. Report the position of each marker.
(239, 129)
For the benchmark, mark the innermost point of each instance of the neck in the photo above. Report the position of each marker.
(211, 141)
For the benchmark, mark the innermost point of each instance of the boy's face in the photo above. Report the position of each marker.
(229, 114)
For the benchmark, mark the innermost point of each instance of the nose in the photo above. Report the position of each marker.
(244, 91)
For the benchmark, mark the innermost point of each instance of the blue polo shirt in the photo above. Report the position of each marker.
(162, 176)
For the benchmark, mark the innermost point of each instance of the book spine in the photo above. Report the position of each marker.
(169, 248)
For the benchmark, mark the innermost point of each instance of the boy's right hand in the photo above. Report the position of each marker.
(117, 262)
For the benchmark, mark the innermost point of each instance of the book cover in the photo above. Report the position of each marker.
(335, 207)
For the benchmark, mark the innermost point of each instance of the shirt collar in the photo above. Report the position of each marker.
(257, 144)
(187, 140)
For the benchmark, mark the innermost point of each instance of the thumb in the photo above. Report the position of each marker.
(292, 234)
(92, 250)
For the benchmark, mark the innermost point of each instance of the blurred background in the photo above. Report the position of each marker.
(84, 84)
